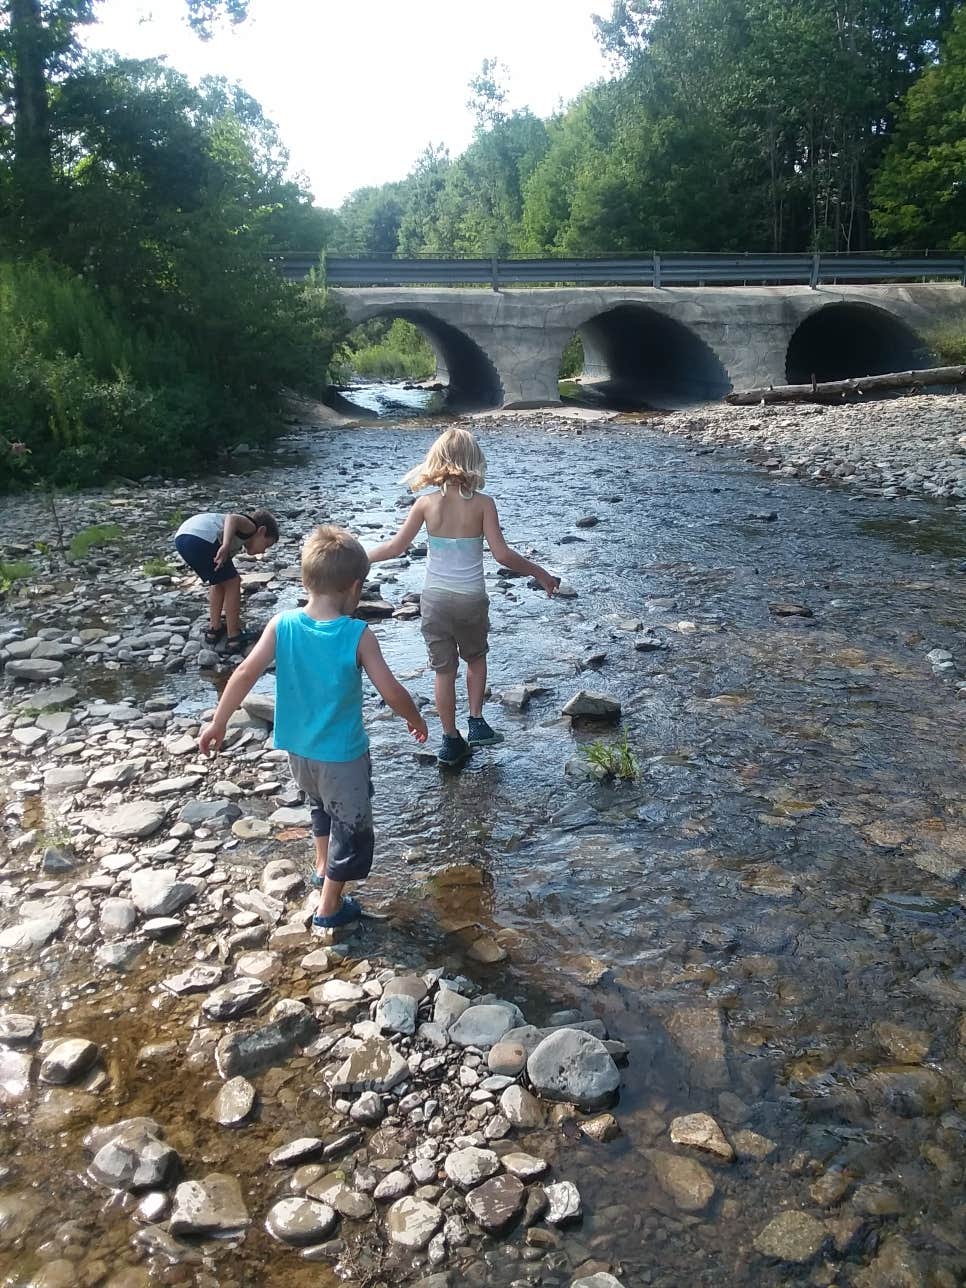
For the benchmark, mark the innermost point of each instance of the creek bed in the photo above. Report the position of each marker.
(771, 916)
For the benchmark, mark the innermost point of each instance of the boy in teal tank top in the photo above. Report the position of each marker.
(319, 654)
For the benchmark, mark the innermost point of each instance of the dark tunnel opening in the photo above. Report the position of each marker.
(842, 341)
(636, 357)
(470, 380)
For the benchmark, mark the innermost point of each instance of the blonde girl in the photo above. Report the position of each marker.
(454, 603)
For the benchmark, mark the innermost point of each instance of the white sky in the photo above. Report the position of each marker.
(359, 87)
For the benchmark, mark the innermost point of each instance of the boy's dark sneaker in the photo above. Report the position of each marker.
(479, 733)
(348, 911)
(454, 750)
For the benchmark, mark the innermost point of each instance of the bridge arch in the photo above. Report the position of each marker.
(845, 339)
(471, 379)
(638, 356)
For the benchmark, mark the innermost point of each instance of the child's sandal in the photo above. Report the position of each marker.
(236, 643)
(213, 636)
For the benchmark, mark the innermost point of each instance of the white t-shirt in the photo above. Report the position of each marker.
(209, 527)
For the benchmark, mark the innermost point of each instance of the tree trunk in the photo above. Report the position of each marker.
(837, 390)
(32, 118)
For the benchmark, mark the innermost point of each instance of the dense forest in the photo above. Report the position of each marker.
(142, 328)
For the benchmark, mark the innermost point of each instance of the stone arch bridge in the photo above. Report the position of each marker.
(661, 347)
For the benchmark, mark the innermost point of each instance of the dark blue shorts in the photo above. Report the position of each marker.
(199, 555)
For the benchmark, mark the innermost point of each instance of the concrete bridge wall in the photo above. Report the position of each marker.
(663, 346)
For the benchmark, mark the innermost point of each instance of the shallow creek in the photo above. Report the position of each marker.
(771, 916)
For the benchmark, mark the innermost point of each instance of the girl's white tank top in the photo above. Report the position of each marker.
(455, 564)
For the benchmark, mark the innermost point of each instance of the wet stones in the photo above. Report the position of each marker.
(18, 1030)
(133, 1159)
(573, 1066)
(448, 1007)
(507, 1058)
(252, 1051)
(37, 670)
(198, 978)
(468, 1167)
(700, 1131)
(697, 1032)
(375, 1065)
(392, 1186)
(116, 917)
(296, 1151)
(907, 1090)
(496, 1203)
(791, 1236)
(685, 1181)
(157, 893)
(213, 1206)
(134, 820)
(300, 1221)
(526, 1167)
(202, 813)
(68, 1061)
(234, 998)
(521, 1108)
(368, 1109)
(602, 1279)
(412, 1223)
(592, 706)
(484, 1025)
(396, 1014)
(234, 1103)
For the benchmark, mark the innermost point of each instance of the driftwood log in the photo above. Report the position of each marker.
(836, 390)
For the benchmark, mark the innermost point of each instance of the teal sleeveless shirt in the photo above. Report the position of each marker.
(318, 687)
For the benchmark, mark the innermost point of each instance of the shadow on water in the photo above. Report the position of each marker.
(943, 535)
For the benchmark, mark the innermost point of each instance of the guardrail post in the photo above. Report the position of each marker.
(962, 280)
(494, 273)
(657, 269)
(816, 274)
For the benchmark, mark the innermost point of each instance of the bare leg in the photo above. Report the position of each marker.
(445, 691)
(476, 683)
(321, 854)
(330, 900)
(216, 603)
(233, 605)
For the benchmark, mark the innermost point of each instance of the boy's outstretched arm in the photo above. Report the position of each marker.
(388, 687)
(400, 543)
(509, 557)
(238, 688)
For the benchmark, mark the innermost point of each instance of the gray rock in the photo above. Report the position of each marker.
(698, 1032)
(374, 1066)
(574, 1066)
(37, 670)
(235, 998)
(33, 933)
(507, 1058)
(300, 1221)
(392, 1186)
(483, 1026)
(251, 1051)
(116, 917)
(497, 1203)
(684, 1180)
(261, 706)
(406, 986)
(520, 1108)
(200, 977)
(563, 1203)
(157, 893)
(448, 1007)
(134, 820)
(468, 1167)
(600, 1280)
(368, 1109)
(120, 954)
(217, 813)
(234, 1102)
(296, 1151)
(68, 1061)
(56, 862)
(133, 1159)
(65, 778)
(412, 1223)
(15, 1069)
(700, 1131)
(213, 1206)
(526, 1167)
(18, 1030)
(592, 706)
(791, 1236)
(396, 1014)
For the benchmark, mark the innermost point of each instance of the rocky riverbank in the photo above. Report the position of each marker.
(889, 448)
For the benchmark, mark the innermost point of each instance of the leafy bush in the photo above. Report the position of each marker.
(572, 359)
(949, 341)
(388, 351)
(18, 570)
(99, 534)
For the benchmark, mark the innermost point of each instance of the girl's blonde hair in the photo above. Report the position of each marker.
(455, 457)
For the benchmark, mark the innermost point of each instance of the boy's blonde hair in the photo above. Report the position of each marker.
(332, 560)
(455, 457)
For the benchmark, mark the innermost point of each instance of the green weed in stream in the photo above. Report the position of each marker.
(616, 758)
(18, 570)
(157, 567)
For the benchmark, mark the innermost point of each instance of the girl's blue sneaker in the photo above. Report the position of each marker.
(479, 733)
(348, 912)
(454, 750)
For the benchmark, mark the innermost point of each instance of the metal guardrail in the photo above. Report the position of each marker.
(656, 269)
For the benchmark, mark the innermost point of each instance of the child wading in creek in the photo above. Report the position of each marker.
(319, 654)
(454, 603)
(208, 543)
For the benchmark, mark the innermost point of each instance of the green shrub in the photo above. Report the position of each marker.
(18, 570)
(948, 339)
(99, 534)
(572, 359)
(382, 350)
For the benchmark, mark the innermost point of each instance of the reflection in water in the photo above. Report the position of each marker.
(771, 915)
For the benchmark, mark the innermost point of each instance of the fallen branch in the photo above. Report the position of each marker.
(835, 390)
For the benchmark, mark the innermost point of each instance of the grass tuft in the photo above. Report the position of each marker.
(616, 758)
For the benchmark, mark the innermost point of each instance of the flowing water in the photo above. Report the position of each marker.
(771, 916)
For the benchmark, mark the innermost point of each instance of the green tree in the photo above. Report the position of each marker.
(920, 191)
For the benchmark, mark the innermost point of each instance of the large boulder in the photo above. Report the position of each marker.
(576, 1067)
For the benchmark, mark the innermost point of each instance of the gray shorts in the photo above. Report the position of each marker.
(454, 626)
(340, 796)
